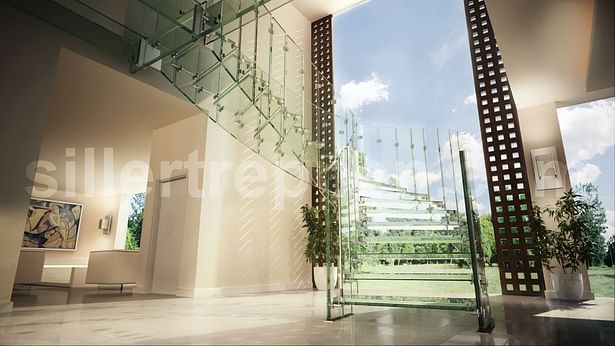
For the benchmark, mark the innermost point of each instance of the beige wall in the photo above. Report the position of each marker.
(27, 71)
(243, 226)
(30, 68)
(90, 237)
(299, 28)
(171, 146)
(109, 128)
(251, 236)
(244, 243)
(540, 129)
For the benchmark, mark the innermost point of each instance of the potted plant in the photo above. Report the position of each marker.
(570, 246)
(316, 247)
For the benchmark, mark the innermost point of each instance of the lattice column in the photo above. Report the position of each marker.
(323, 122)
(520, 272)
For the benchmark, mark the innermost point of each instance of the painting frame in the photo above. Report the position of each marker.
(547, 170)
(52, 225)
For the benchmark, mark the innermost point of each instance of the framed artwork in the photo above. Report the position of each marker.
(546, 169)
(52, 225)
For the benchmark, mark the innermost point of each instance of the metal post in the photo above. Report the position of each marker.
(426, 166)
(485, 322)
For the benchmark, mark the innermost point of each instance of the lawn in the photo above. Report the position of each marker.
(602, 280)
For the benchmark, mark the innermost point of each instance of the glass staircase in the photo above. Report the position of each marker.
(408, 234)
(231, 58)
(404, 237)
(235, 62)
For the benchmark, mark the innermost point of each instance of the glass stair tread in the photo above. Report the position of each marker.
(397, 200)
(412, 223)
(410, 278)
(384, 271)
(417, 256)
(415, 227)
(180, 16)
(414, 240)
(403, 195)
(396, 212)
(384, 186)
(371, 203)
(409, 304)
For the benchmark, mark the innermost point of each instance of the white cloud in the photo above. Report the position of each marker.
(588, 130)
(448, 49)
(481, 208)
(475, 160)
(405, 180)
(454, 110)
(589, 173)
(355, 95)
(470, 100)
(474, 155)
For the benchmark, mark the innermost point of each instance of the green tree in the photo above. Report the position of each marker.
(135, 221)
(595, 217)
(488, 239)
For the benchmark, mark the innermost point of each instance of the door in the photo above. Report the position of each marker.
(169, 235)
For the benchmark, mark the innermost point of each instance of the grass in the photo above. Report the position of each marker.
(602, 280)
(426, 288)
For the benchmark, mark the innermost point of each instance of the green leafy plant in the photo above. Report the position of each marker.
(571, 245)
(314, 221)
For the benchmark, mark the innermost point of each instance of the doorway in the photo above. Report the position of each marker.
(170, 221)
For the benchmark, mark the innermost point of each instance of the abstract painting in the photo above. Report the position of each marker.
(52, 225)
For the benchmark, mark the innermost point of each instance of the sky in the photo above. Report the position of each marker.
(395, 67)
(588, 132)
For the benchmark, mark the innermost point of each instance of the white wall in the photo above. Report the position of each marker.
(539, 129)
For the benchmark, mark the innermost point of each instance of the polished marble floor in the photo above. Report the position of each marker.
(297, 317)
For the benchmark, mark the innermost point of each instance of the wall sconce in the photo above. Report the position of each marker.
(104, 224)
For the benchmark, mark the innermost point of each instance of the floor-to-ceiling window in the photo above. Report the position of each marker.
(588, 133)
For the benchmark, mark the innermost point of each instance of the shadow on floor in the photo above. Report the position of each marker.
(24, 296)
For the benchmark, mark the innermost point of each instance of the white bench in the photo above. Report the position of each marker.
(112, 267)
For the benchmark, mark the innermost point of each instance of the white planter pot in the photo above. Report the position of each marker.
(568, 286)
(320, 277)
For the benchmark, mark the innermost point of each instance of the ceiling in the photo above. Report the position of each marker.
(316, 9)
(549, 48)
(93, 106)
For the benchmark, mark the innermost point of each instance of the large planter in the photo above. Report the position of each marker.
(320, 277)
(568, 286)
